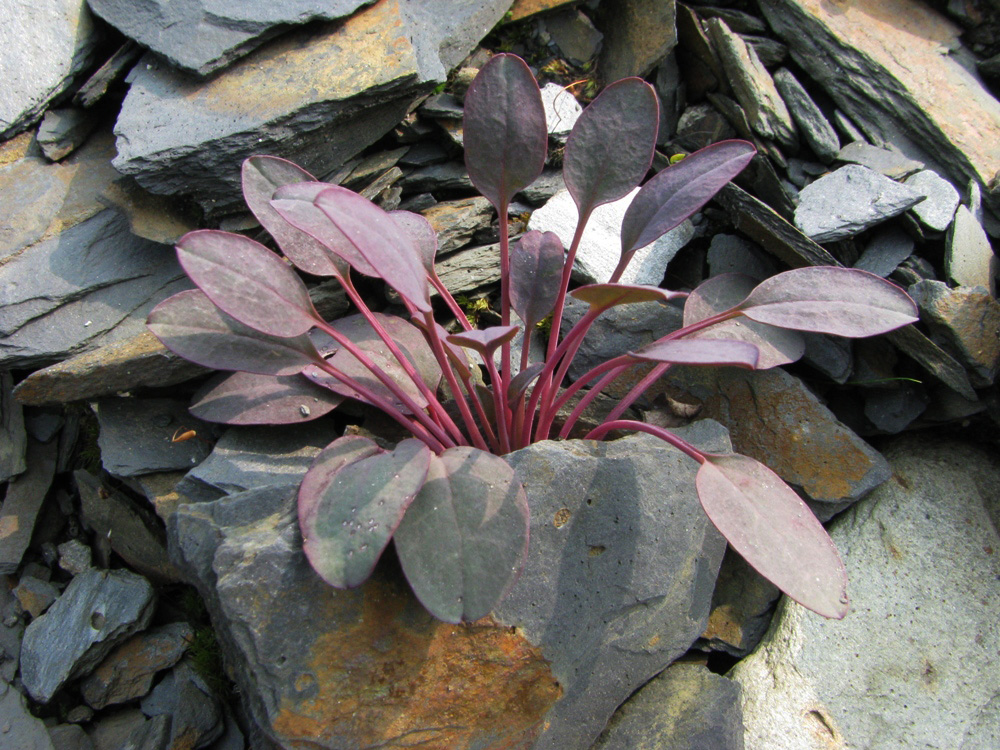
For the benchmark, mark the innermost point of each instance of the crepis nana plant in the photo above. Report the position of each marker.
(455, 510)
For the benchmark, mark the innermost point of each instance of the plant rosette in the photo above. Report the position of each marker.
(453, 507)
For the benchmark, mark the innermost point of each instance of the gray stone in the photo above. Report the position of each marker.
(753, 86)
(619, 330)
(729, 253)
(888, 247)
(668, 84)
(442, 105)
(968, 257)
(13, 438)
(601, 601)
(686, 707)
(941, 199)
(91, 285)
(600, 246)
(423, 154)
(701, 125)
(831, 355)
(914, 663)
(882, 160)
(18, 728)
(450, 175)
(247, 458)
(849, 201)
(150, 735)
(737, 20)
(638, 35)
(901, 86)
(892, 410)
(43, 46)
(137, 435)
(562, 110)
(194, 713)
(742, 606)
(130, 528)
(320, 96)
(770, 52)
(63, 131)
(35, 595)
(97, 611)
(574, 35)
(23, 503)
(111, 731)
(815, 128)
(95, 88)
(74, 556)
(966, 323)
(11, 633)
(457, 221)
(934, 359)
(203, 37)
(547, 185)
(846, 127)
(135, 362)
(69, 737)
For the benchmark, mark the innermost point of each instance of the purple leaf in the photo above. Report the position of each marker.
(262, 176)
(464, 539)
(421, 233)
(407, 337)
(611, 146)
(605, 296)
(457, 356)
(189, 325)
(246, 280)
(536, 265)
(842, 301)
(294, 203)
(680, 190)
(350, 517)
(504, 129)
(700, 352)
(520, 382)
(774, 531)
(380, 241)
(244, 398)
(484, 341)
(777, 346)
(338, 454)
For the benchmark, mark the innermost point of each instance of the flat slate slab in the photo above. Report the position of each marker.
(203, 37)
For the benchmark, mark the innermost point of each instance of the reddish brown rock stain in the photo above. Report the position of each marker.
(391, 681)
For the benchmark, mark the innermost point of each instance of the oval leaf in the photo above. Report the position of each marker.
(484, 341)
(700, 352)
(407, 337)
(774, 530)
(611, 146)
(330, 460)
(605, 296)
(246, 280)
(464, 539)
(189, 325)
(777, 346)
(262, 176)
(421, 233)
(245, 398)
(536, 265)
(680, 190)
(520, 382)
(504, 129)
(380, 241)
(350, 518)
(842, 301)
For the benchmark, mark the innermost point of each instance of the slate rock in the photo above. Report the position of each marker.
(136, 362)
(730, 253)
(18, 728)
(11, 633)
(35, 595)
(940, 199)
(525, 8)
(668, 83)
(467, 270)
(700, 125)
(90, 285)
(193, 712)
(153, 734)
(74, 556)
(69, 737)
(130, 529)
(831, 355)
(23, 503)
(892, 410)
(685, 707)
(247, 458)
(112, 730)
(43, 46)
(137, 435)
(457, 221)
(547, 185)
(885, 161)
(773, 417)
(770, 51)
(290, 637)
(968, 257)
(574, 34)
(13, 437)
(600, 247)
(562, 110)
(742, 606)
(98, 610)
(849, 201)
(203, 37)
(815, 128)
(451, 175)
(914, 663)
(888, 247)
(898, 70)
(934, 359)
(638, 35)
(63, 131)
(965, 322)
(320, 96)
(753, 86)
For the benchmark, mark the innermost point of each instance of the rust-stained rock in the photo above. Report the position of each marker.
(456, 221)
(524, 8)
(895, 68)
(638, 35)
(773, 417)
